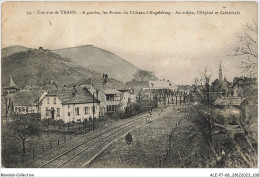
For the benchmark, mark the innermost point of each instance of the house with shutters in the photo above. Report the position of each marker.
(112, 94)
(27, 101)
(149, 90)
(70, 104)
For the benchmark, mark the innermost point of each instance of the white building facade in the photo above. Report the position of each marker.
(69, 107)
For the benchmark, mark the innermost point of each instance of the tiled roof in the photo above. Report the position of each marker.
(161, 84)
(49, 87)
(32, 86)
(26, 97)
(111, 91)
(137, 84)
(229, 101)
(101, 84)
(184, 87)
(78, 96)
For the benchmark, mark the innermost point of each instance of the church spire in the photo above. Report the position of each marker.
(12, 84)
(220, 72)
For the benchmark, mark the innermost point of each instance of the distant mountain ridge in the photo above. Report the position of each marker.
(12, 49)
(41, 67)
(69, 65)
(99, 60)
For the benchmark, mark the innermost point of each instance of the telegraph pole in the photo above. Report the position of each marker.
(93, 126)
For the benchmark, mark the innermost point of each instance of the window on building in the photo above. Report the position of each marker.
(19, 109)
(111, 108)
(110, 97)
(27, 109)
(48, 100)
(68, 113)
(23, 109)
(58, 112)
(68, 106)
(15, 109)
(54, 100)
(86, 110)
(77, 111)
(47, 111)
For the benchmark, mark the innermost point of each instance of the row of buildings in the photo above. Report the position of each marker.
(83, 100)
(97, 97)
(86, 99)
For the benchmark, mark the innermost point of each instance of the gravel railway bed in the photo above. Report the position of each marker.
(86, 148)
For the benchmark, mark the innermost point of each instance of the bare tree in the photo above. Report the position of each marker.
(203, 117)
(203, 90)
(201, 114)
(25, 127)
(248, 47)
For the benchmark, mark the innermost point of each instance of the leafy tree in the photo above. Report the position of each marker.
(145, 75)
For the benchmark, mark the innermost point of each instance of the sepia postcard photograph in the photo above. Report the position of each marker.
(136, 84)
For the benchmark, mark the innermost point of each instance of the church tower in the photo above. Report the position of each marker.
(220, 72)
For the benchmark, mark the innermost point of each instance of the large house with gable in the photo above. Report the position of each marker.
(112, 94)
(70, 104)
(146, 90)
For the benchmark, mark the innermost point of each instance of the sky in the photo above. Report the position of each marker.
(176, 47)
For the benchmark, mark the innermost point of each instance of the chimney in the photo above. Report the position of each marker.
(106, 78)
(74, 90)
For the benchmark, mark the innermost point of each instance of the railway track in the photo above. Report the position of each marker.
(93, 144)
